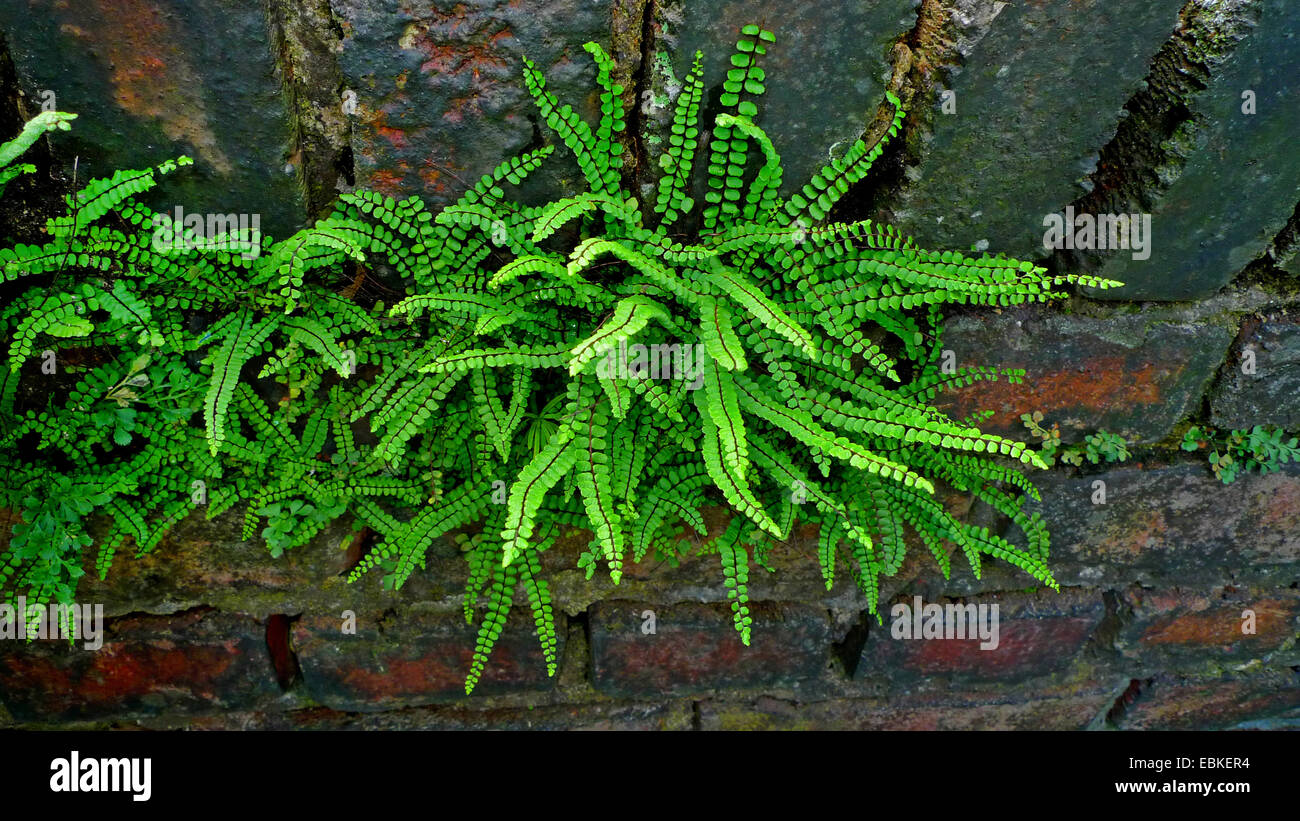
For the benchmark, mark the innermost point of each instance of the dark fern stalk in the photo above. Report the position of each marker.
(792, 365)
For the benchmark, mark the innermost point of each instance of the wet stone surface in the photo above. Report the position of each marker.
(148, 84)
(1035, 98)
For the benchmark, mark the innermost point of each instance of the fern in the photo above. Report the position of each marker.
(32, 131)
(583, 364)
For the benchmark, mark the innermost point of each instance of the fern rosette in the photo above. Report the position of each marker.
(589, 364)
(747, 352)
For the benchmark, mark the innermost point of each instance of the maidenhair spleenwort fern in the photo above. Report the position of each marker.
(590, 364)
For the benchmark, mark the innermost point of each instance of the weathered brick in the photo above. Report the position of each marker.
(410, 657)
(307, 40)
(1264, 701)
(152, 81)
(1217, 186)
(695, 648)
(480, 713)
(1038, 90)
(1191, 630)
(668, 715)
(696, 578)
(1172, 526)
(439, 91)
(1129, 374)
(1038, 634)
(1267, 396)
(1012, 711)
(1291, 261)
(192, 662)
(206, 563)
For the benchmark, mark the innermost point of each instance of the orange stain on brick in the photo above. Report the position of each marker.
(1145, 529)
(1222, 625)
(406, 677)
(388, 182)
(378, 120)
(455, 41)
(1282, 512)
(117, 672)
(1103, 384)
(147, 65)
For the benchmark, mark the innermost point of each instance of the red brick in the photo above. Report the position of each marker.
(695, 648)
(1130, 375)
(1173, 627)
(1038, 634)
(186, 663)
(1172, 527)
(410, 658)
(1270, 700)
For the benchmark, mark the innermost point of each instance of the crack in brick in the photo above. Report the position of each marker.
(915, 59)
(1267, 272)
(1125, 700)
(849, 649)
(1150, 146)
(633, 42)
(306, 39)
(278, 643)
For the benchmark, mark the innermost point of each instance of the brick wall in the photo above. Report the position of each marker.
(1017, 111)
